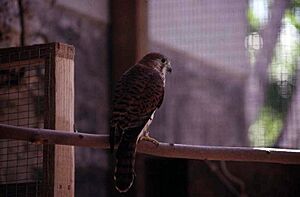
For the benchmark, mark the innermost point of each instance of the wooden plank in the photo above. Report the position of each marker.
(59, 159)
(141, 28)
(64, 119)
(128, 34)
(31, 62)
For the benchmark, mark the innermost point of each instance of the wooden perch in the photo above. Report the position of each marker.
(46, 136)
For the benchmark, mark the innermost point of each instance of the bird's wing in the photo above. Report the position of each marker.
(138, 94)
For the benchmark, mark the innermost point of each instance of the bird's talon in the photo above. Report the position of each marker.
(149, 139)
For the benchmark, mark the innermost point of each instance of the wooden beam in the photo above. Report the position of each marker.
(128, 34)
(168, 150)
(59, 114)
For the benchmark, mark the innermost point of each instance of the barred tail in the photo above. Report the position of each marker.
(124, 171)
(114, 137)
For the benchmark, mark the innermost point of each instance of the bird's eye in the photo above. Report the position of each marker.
(163, 60)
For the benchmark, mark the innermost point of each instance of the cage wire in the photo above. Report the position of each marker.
(21, 100)
(273, 118)
(226, 33)
(204, 29)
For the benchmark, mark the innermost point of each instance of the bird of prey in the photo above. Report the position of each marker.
(137, 95)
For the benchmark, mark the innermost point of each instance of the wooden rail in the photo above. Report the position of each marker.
(247, 154)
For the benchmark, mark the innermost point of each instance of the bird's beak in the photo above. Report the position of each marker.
(169, 68)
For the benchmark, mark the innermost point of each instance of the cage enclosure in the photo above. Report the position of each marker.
(230, 104)
(37, 91)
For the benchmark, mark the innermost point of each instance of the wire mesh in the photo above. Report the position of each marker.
(213, 47)
(206, 29)
(21, 100)
(276, 115)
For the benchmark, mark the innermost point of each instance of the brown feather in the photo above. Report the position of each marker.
(138, 94)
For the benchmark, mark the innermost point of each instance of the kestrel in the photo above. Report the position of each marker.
(137, 95)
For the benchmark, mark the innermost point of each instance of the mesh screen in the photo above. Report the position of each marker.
(275, 124)
(21, 101)
(213, 46)
(205, 29)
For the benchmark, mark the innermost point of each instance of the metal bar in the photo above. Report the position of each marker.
(246, 154)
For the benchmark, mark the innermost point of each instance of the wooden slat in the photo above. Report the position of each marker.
(64, 119)
(59, 159)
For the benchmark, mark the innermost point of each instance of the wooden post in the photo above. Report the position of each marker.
(128, 34)
(59, 159)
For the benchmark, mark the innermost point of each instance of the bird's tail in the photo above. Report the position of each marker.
(125, 155)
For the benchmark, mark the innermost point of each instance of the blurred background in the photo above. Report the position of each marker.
(234, 83)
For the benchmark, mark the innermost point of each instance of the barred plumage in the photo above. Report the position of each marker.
(137, 95)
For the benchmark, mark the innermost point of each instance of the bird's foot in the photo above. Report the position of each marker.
(149, 139)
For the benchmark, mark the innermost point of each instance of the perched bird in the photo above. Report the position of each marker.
(137, 95)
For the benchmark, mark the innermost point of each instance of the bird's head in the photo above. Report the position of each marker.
(157, 61)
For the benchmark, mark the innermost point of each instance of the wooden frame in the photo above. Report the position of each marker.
(58, 59)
